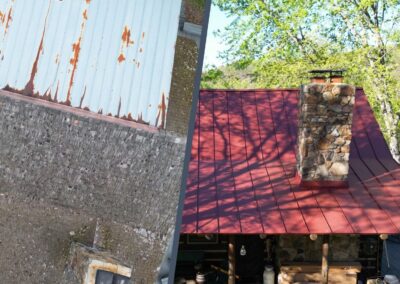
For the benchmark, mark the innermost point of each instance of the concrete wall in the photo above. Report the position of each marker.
(180, 98)
(61, 168)
(184, 68)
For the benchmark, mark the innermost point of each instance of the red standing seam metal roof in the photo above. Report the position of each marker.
(242, 174)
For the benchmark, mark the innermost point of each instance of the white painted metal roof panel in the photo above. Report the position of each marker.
(106, 56)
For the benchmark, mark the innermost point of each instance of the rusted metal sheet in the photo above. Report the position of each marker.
(106, 56)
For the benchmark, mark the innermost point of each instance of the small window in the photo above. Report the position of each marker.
(106, 277)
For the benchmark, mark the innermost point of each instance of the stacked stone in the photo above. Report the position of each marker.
(324, 136)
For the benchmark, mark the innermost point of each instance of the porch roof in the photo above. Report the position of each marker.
(242, 171)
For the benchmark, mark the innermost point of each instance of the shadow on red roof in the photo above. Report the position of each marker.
(242, 171)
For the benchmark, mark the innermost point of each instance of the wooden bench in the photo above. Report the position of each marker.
(311, 273)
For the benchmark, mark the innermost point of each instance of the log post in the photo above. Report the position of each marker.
(231, 260)
(325, 266)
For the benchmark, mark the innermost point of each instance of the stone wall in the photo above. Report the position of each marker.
(324, 136)
(300, 248)
(62, 168)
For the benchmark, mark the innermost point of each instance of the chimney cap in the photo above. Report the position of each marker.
(331, 72)
(320, 75)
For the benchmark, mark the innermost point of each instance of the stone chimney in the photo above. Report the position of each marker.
(324, 132)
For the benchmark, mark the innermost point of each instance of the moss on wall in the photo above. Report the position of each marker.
(180, 99)
(194, 10)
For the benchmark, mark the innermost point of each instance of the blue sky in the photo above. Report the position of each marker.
(218, 20)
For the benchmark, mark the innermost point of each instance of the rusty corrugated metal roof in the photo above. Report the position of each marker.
(110, 57)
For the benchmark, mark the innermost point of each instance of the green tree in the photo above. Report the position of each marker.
(280, 40)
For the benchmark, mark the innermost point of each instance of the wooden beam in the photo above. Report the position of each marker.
(325, 266)
(231, 260)
(222, 270)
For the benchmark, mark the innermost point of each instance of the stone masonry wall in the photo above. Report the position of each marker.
(62, 168)
(300, 248)
(324, 136)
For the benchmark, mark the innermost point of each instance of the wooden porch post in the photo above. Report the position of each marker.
(325, 266)
(231, 260)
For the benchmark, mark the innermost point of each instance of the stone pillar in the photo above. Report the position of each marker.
(324, 133)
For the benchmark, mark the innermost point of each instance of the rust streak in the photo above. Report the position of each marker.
(142, 35)
(128, 118)
(161, 112)
(9, 18)
(140, 49)
(126, 37)
(82, 98)
(56, 94)
(2, 17)
(140, 120)
(121, 57)
(85, 14)
(119, 107)
(29, 87)
(87, 1)
(76, 48)
(47, 95)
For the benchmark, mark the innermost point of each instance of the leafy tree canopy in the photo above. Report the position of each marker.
(274, 43)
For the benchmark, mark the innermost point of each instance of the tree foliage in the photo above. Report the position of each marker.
(275, 43)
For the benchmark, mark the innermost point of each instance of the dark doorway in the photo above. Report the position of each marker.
(249, 258)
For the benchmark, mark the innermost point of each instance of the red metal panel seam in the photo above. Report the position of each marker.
(251, 90)
(373, 177)
(234, 97)
(215, 168)
(376, 177)
(225, 179)
(198, 163)
(280, 160)
(346, 216)
(341, 210)
(264, 164)
(359, 120)
(230, 160)
(373, 198)
(266, 168)
(356, 109)
(247, 161)
(208, 221)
